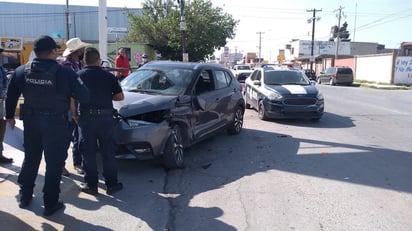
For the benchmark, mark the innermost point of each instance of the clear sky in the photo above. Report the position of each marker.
(273, 23)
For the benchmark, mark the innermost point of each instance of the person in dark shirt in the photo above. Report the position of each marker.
(47, 88)
(73, 58)
(3, 88)
(97, 124)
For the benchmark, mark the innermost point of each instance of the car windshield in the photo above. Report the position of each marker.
(344, 71)
(172, 81)
(285, 77)
(243, 67)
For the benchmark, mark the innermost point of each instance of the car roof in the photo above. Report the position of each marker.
(277, 70)
(188, 65)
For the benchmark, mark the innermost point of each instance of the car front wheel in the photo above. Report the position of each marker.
(173, 156)
(237, 123)
(261, 111)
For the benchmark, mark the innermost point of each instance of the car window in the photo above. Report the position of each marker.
(330, 70)
(344, 71)
(285, 77)
(166, 81)
(256, 75)
(222, 79)
(243, 67)
(204, 82)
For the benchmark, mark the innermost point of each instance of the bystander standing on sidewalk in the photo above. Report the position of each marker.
(73, 58)
(122, 63)
(3, 88)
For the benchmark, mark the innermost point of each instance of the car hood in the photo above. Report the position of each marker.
(137, 103)
(293, 89)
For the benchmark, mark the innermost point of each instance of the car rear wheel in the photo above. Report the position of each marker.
(247, 104)
(174, 153)
(237, 123)
(319, 80)
(331, 81)
(261, 111)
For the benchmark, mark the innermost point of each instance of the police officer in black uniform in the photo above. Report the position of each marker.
(97, 124)
(47, 88)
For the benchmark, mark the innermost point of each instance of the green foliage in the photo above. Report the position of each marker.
(342, 32)
(207, 28)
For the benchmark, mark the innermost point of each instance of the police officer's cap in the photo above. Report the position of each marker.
(44, 43)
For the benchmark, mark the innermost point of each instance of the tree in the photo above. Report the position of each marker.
(208, 28)
(342, 32)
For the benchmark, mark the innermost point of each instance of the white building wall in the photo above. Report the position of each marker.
(374, 68)
(403, 70)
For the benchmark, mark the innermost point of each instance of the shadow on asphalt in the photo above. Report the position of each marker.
(328, 120)
(225, 159)
(213, 164)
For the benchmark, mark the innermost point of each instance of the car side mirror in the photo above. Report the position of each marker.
(184, 99)
(201, 103)
(256, 82)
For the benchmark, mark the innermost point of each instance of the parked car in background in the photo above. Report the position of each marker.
(336, 75)
(240, 68)
(241, 77)
(283, 94)
(170, 106)
(310, 74)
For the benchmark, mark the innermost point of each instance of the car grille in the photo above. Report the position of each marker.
(300, 101)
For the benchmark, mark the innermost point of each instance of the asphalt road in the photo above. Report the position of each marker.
(349, 171)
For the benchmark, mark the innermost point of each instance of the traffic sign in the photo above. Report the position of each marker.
(117, 30)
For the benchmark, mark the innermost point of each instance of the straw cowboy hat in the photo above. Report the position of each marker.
(73, 45)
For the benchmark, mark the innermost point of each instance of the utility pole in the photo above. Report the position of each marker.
(185, 56)
(103, 28)
(339, 15)
(313, 20)
(67, 21)
(354, 26)
(260, 43)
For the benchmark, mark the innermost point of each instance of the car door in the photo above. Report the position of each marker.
(225, 95)
(206, 115)
(327, 75)
(252, 89)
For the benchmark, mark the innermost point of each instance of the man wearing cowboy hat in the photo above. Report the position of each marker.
(74, 59)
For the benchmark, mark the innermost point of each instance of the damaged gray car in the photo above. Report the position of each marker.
(170, 106)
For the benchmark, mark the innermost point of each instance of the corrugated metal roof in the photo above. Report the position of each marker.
(29, 20)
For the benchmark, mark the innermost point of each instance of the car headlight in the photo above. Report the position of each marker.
(137, 123)
(319, 96)
(274, 96)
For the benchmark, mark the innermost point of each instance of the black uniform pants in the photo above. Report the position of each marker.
(98, 129)
(51, 134)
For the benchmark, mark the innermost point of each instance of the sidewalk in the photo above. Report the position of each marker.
(383, 86)
(13, 218)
